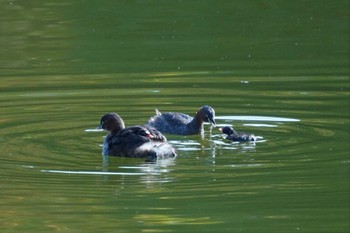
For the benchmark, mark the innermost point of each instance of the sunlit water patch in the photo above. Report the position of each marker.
(94, 130)
(257, 118)
(99, 172)
(261, 125)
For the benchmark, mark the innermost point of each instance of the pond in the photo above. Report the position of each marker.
(278, 70)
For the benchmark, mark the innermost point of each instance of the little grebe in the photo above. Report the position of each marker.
(237, 136)
(134, 141)
(179, 123)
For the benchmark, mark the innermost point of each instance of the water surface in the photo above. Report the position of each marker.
(278, 70)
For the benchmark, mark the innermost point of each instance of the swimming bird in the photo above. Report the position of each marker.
(182, 124)
(135, 141)
(237, 136)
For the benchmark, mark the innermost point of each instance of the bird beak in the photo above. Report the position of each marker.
(220, 129)
(212, 122)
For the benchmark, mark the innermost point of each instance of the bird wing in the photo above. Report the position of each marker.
(175, 118)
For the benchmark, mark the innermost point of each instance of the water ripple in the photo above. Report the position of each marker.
(257, 118)
(100, 173)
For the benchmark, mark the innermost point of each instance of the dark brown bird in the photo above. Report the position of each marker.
(135, 141)
(237, 136)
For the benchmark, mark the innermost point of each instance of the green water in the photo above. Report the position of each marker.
(278, 69)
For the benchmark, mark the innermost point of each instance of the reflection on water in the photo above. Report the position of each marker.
(149, 173)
